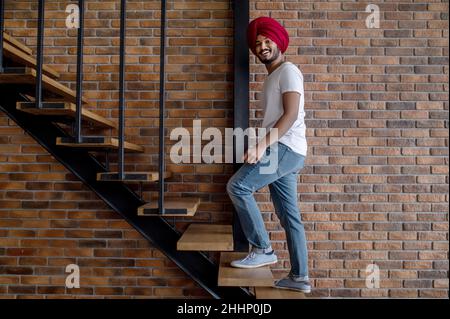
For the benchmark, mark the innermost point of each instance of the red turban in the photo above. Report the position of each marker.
(269, 28)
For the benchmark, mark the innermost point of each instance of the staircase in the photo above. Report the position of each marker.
(17, 84)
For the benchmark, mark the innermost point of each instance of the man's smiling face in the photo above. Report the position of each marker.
(266, 50)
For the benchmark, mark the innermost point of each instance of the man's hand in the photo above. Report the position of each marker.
(254, 154)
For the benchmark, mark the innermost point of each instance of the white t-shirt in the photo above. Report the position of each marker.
(286, 78)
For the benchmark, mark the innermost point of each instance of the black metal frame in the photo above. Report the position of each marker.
(2, 27)
(162, 102)
(121, 155)
(79, 89)
(240, 95)
(40, 52)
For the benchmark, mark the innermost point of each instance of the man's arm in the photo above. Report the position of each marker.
(291, 101)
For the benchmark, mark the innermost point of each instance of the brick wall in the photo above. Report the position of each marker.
(375, 185)
(374, 190)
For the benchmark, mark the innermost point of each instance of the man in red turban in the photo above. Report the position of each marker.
(285, 144)
(269, 28)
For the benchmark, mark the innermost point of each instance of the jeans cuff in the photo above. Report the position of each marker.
(262, 250)
(299, 278)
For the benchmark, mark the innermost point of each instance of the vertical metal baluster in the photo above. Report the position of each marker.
(40, 53)
(79, 71)
(162, 99)
(121, 89)
(2, 26)
(241, 97)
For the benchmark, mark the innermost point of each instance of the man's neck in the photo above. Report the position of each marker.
(275, 64)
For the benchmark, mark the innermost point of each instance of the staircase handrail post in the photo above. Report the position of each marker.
(40, 52)
(79, 84)
(2, 27)
(121, 154)
(162, 101)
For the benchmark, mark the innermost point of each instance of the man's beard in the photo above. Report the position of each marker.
(275, 55)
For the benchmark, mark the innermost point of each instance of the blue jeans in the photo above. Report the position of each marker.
(283, 189)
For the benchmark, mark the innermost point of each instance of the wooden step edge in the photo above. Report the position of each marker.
(178, 207)
(16, 43)
(63, 90)
(108, 142)
(148, 177)
(131, 147)
(20, 57)
(49, 99)
(68, 109)
(206, 237)
(95, 118)
(237, 277)
(49, 84)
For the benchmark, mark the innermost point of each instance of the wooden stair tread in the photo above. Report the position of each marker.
(16, 43)
(131, 176)
(276, 293)
(29, 77)
(65, 109)
(99, 143)
(207, 237)
(237, 277)
(21, 57)
(173, 207)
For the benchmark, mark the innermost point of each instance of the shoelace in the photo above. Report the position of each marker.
(250, 256)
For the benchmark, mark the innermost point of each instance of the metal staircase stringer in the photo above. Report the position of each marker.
(117, 196)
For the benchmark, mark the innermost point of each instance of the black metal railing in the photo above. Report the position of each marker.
(162, 102)
(40, 53)
(240, 97)
(79, 85)
(77, 126)
(121, 155)
(2, 27)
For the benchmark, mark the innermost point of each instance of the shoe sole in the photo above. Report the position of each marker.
(257, 266)
(305, 291)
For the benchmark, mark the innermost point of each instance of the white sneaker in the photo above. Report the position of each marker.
(256, 258)
(292, 283)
